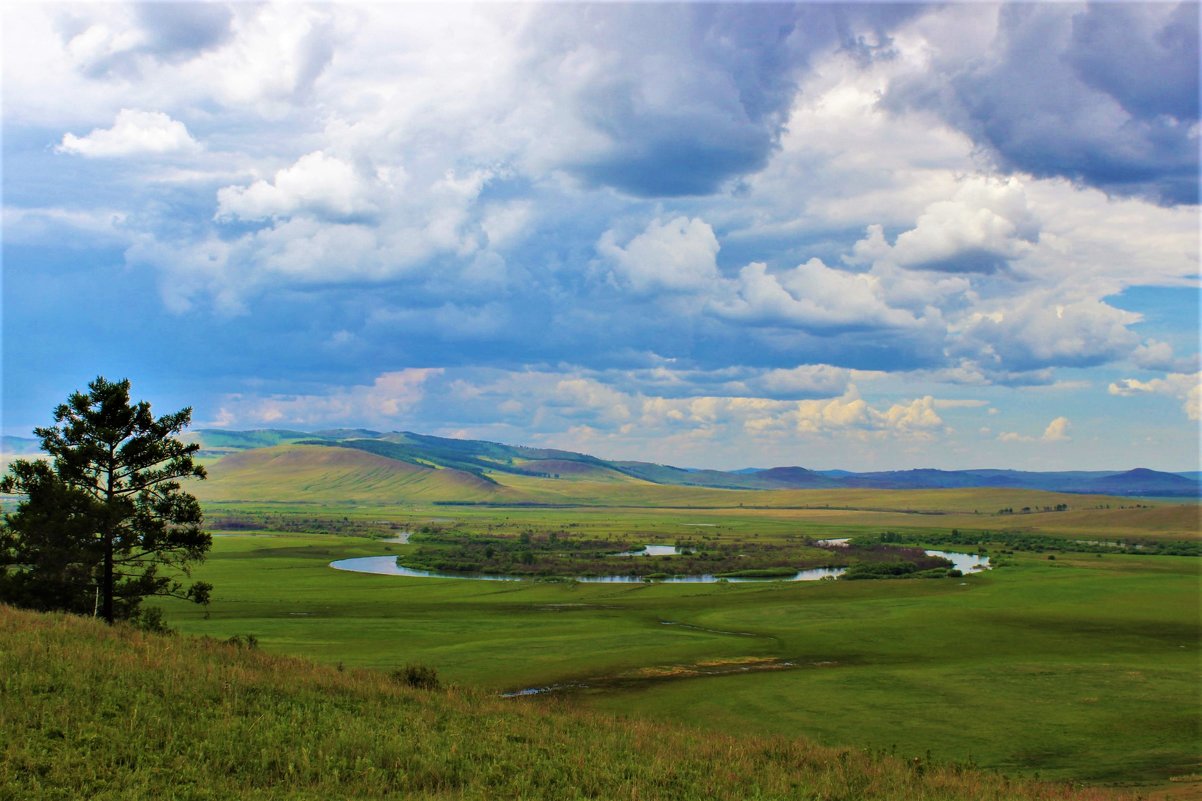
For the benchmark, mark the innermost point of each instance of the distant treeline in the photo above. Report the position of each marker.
(1014, 541)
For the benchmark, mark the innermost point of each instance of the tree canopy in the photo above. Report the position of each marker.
(106, 512)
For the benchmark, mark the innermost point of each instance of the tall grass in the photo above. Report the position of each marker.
(88, 711)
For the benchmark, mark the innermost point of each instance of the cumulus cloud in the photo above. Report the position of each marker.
(811, 296)
(792, 383)
(317, 184)
(1056, 431)
(1155, 355)
(915, 418)
(678, 255)
(1040, 330)
(134, 132)
(385, 402)
(985, 225)
(1186, 387)
(802, 381)
(555, 403)
(848, 414)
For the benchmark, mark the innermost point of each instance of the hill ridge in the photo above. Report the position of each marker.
(483, 459)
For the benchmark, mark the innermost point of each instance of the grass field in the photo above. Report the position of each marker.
(89, 711)
(1082, 668)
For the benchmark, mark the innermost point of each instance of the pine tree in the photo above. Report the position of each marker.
(106, 513)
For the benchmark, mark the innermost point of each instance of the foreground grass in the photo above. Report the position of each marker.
(88, 711)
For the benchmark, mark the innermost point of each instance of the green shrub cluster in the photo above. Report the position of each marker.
(1020, 541)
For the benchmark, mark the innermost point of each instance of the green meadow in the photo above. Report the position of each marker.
(1057, 664)
(89, 711)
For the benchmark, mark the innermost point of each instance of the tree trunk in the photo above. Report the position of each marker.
(107, 609)
(108, 537)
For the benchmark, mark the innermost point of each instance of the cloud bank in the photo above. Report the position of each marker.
(702, 211)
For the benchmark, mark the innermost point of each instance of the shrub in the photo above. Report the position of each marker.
(422, 677)
(151, 619)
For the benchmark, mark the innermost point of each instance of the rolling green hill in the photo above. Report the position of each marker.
(382, 472)
(484, 459)
(321, 473)
(90, 711)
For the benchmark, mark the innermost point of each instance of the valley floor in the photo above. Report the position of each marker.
(1060, 664)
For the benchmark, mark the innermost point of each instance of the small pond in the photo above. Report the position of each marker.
(964, 562)
(652, 550)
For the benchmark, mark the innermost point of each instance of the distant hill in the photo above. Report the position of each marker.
(796, 478)
(20, 446)
(323, 473)
(1144, 482)
(489, 461)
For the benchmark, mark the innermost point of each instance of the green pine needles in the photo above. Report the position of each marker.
(106, 512)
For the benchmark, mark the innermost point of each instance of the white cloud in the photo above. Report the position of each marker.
(552, 402)
(1044, 329)
(316, 184)
(1056, 431)
(38, 224)
(811, 296)
(914, 418)
(805, 380)
(1186, 387)
(984, 225)
(275, 56)
(1154, 355)
(678, 255)
(386, 402)
(134, 132)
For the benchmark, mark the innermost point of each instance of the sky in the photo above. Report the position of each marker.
(717, 235)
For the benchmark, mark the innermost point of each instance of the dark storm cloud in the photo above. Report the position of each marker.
(691, 96)
(1149, 66)
(1107, 96)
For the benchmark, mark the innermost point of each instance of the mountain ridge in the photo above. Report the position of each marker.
(480, 459)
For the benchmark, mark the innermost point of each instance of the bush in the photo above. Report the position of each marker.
(151, 619)
(422, 677)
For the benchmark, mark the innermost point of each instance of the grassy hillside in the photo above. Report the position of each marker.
(94, 712)
(483, 457)
(345, 475)
(349, 473)
(319, 473)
